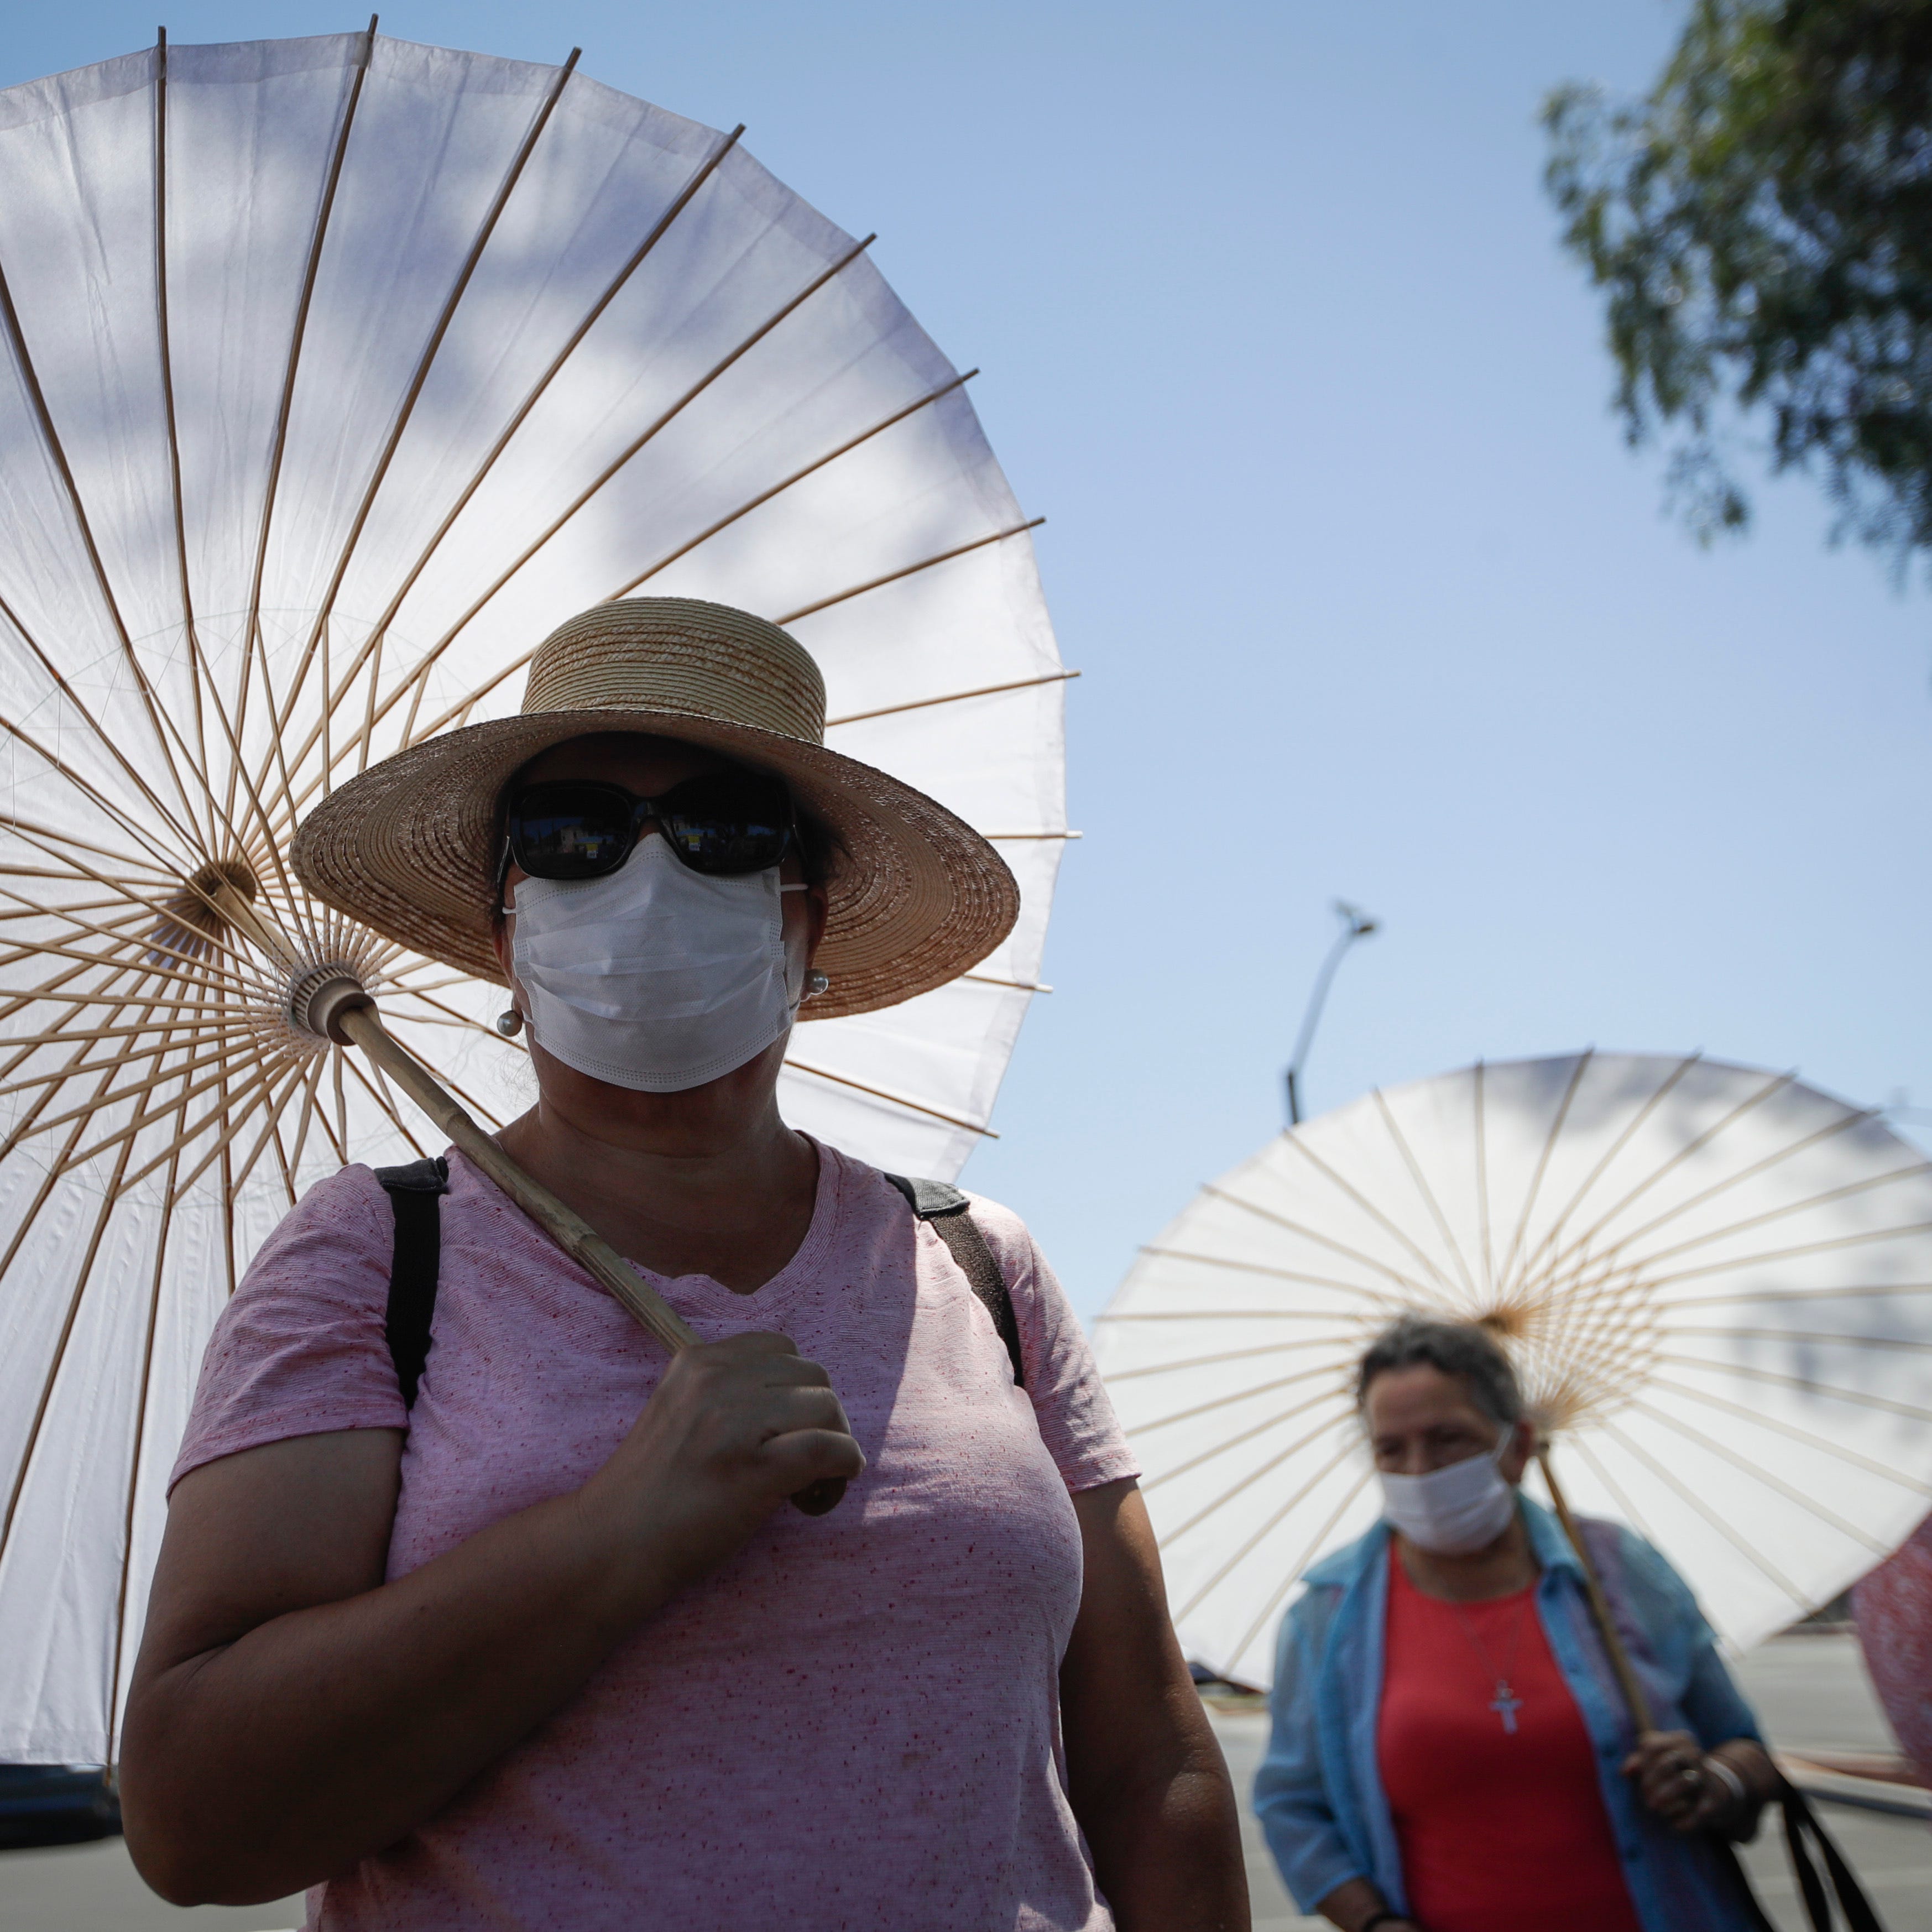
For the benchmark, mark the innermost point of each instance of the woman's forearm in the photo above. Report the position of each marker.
(271, 1762)
(1167, 1854)
(1147, 1781)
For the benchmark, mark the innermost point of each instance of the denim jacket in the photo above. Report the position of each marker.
(1318, 1793)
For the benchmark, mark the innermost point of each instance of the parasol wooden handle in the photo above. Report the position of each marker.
(357, 1020)
(1627, 1681)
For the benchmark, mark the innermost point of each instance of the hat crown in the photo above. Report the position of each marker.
(681, 655)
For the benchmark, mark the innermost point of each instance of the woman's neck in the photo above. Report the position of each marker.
(709, 1181)
(1497, 1570)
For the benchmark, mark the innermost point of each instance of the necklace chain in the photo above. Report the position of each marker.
(1505, 1702)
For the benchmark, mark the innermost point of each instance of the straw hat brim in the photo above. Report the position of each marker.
(917, 897)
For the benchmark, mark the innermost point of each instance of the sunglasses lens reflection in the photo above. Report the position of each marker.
(569, 832)
(726, 825)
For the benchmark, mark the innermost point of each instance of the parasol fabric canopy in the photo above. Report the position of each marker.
(1715, 1284)
(333, 373)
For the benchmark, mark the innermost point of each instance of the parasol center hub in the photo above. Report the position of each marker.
(1584, 1346)
(319, 997)
(195, 915)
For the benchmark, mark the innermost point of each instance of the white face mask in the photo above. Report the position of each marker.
(1452, 1511)
(654, 977)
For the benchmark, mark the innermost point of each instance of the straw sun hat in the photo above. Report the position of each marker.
(409, 847)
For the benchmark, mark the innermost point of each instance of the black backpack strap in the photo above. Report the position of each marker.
(414, 1192)
(944, 1209)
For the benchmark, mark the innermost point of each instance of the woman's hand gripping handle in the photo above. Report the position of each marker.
(735, 1427)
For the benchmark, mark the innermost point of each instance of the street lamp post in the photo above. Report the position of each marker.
(1356, 924)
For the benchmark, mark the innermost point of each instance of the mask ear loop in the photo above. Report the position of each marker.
(510, 1021)
(816, 982)
(503, 879)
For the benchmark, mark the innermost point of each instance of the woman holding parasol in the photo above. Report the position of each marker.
(543, 1647)
(1451, 1749)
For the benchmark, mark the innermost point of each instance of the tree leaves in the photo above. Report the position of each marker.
(1761, 226)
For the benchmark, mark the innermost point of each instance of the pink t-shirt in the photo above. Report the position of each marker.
(852, 1725)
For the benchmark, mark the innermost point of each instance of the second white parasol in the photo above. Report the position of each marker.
(1715, 1283)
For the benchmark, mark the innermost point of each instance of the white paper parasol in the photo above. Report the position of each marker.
(1716, 1284)
(333, 372)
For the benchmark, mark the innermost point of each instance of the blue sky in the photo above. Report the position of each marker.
(1370, 597)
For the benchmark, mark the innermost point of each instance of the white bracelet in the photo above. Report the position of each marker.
(1738, 1795)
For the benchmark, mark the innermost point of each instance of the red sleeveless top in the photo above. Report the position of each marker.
(1501, 1829)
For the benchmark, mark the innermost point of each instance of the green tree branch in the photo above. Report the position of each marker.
(1762, 227)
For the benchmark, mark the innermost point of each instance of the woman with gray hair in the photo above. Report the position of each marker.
(1450, 1751)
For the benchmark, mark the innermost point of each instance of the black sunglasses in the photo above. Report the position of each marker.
(724, 824)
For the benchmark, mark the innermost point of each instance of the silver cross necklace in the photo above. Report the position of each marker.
(1505, 1703)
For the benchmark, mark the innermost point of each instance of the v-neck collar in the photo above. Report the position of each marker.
(705, 1294)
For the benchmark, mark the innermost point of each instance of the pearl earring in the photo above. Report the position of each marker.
(509, 1022)
(817, 983)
